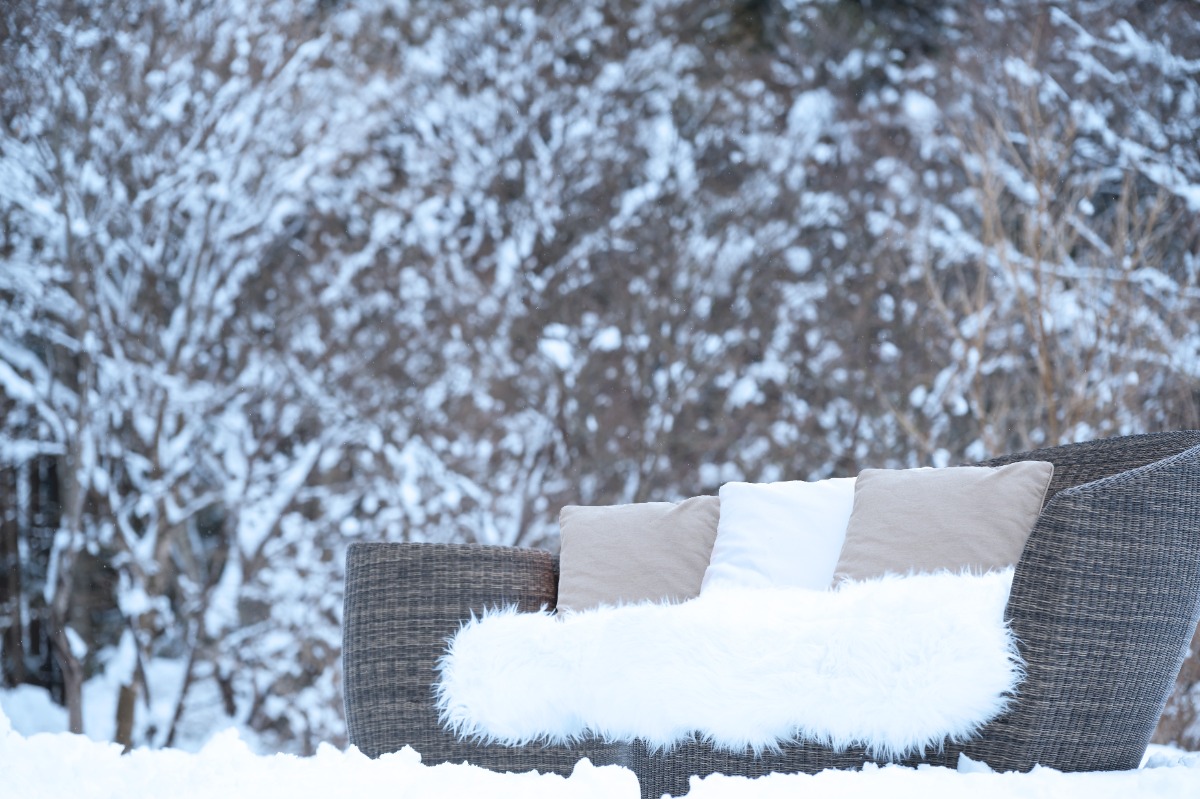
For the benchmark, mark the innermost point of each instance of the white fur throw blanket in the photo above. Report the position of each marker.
(897, 665)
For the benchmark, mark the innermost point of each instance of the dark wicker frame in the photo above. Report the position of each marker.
(1105, 599)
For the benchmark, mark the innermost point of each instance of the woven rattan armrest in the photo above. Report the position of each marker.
(1104, 602)
(402, 602)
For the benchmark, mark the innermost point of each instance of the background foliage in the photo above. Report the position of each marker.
(277, 276)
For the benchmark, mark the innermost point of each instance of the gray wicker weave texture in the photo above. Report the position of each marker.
(668, 772)
(1012, 741)
(402, 602)
(1087, 461)
(1073, 609)
(1104, 603)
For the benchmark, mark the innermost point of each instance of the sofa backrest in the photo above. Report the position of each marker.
(1076, 464)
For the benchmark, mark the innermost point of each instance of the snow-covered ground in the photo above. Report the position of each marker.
(50, 765)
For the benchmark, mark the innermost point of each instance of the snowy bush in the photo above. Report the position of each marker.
(279, 276)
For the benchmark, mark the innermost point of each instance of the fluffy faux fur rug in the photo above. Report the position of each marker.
(897, 665)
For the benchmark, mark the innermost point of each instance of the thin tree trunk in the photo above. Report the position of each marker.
(12, 669)
(72, 523)
(189, 676)
(72, 671)
(76, 375)
(126, 707)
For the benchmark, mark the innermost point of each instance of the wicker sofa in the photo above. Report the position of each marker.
(1104, 602)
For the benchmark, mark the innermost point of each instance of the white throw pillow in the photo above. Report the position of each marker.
(786, 534)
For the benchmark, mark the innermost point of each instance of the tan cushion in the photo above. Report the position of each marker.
(621, 554)
(924, 520)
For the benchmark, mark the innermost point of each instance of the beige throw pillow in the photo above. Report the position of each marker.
(622, 554)
(924, 520)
